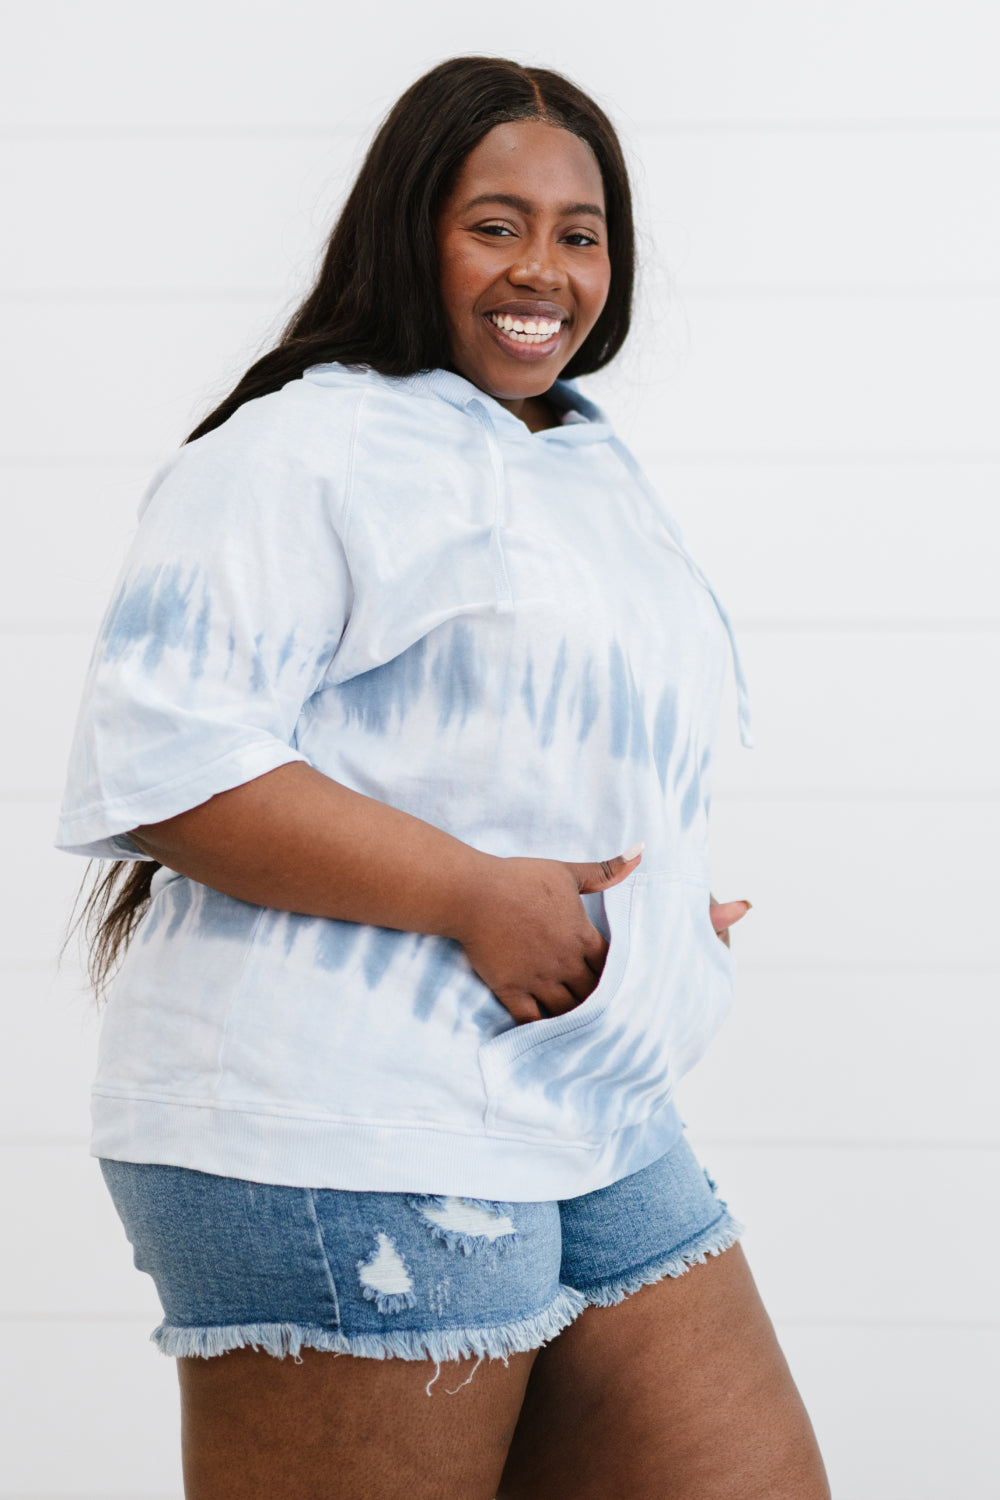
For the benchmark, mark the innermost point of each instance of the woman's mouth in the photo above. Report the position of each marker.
(525, 337)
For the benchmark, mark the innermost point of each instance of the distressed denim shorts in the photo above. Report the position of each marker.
(378, 1275)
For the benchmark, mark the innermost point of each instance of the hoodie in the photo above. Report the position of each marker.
(499, 631)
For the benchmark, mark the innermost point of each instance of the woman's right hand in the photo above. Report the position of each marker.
(527, 934)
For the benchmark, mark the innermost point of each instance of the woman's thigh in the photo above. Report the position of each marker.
(335, 1344)
(343, 1428)
(679, 1392)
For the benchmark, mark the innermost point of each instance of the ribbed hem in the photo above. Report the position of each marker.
(439, 1345)
(382, 1157)
(718, 1236)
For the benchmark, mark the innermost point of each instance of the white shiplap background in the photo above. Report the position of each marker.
(813, 383)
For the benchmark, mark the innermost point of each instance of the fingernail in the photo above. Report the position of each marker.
(632, 852)
(748, 905)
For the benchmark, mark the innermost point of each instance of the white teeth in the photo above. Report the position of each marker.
(530, 331)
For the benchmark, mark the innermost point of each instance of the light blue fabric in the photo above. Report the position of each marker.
(498, 631)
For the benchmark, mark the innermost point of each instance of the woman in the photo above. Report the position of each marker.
(405, 648)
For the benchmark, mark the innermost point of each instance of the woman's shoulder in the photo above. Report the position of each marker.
(332, 407)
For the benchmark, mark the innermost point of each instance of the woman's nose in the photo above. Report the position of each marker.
(539, 270)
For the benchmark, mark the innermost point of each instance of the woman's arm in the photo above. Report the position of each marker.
(296, 840)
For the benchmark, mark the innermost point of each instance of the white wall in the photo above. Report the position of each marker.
(814, 384)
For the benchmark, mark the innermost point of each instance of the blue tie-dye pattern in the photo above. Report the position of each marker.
(680, 770)
(629, 735)
(199, 643)
(528, 689)
(457, 676)
(438, 971)
(706, 792)
(552, 700)
(180, 894)
(691, 800)
(258, 672)
(619, 701)
(664, 733)
(604, 1100)
(222, 916)
(589, 702)
(172, 626)
(371, 697)
(590, 1060)
(381, 948)
(292, 925)
(335, 941)
(639, 737)
(490, 1018)
(151, 610)
(657, 1085)
(285, 654)
(577, 1087)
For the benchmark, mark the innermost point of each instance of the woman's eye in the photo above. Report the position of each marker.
(495, 229)
(578, 237)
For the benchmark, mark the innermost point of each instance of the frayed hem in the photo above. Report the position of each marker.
(718, 1237)
(441, 1346)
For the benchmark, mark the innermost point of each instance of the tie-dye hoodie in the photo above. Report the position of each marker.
(496, 630)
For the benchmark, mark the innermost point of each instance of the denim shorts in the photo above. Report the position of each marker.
(378, 1275)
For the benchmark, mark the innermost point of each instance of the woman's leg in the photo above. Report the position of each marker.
(335, 1427)
(680, 1392)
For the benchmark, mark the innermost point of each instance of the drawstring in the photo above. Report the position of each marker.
(673, 531)
(501, 578)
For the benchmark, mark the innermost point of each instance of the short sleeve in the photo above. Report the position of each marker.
(228, 612)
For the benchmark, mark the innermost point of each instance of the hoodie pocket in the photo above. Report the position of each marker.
(613, 1060)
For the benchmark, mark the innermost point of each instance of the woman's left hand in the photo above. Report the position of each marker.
(724, 914)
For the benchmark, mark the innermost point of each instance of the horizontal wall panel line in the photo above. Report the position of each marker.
(869, 625)
(72, 1316)
(732, 794)
(45, 1142)
(831, 125)
(153, 295)
(250, 131)
(804, 291)
(834, 1143)
(864, 966)
(782, 457)
(43, 460)
(967, 1325)
(731, 292)
(39, 965)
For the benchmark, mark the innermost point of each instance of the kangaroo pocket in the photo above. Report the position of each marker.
(613, 1061)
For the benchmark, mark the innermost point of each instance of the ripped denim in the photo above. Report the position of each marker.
(403, 1275)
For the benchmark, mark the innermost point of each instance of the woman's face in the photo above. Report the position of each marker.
(523, 257)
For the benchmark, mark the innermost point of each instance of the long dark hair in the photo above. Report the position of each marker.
(376, 300)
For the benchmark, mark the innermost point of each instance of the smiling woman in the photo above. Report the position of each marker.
(525, 269)
(398, 736)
